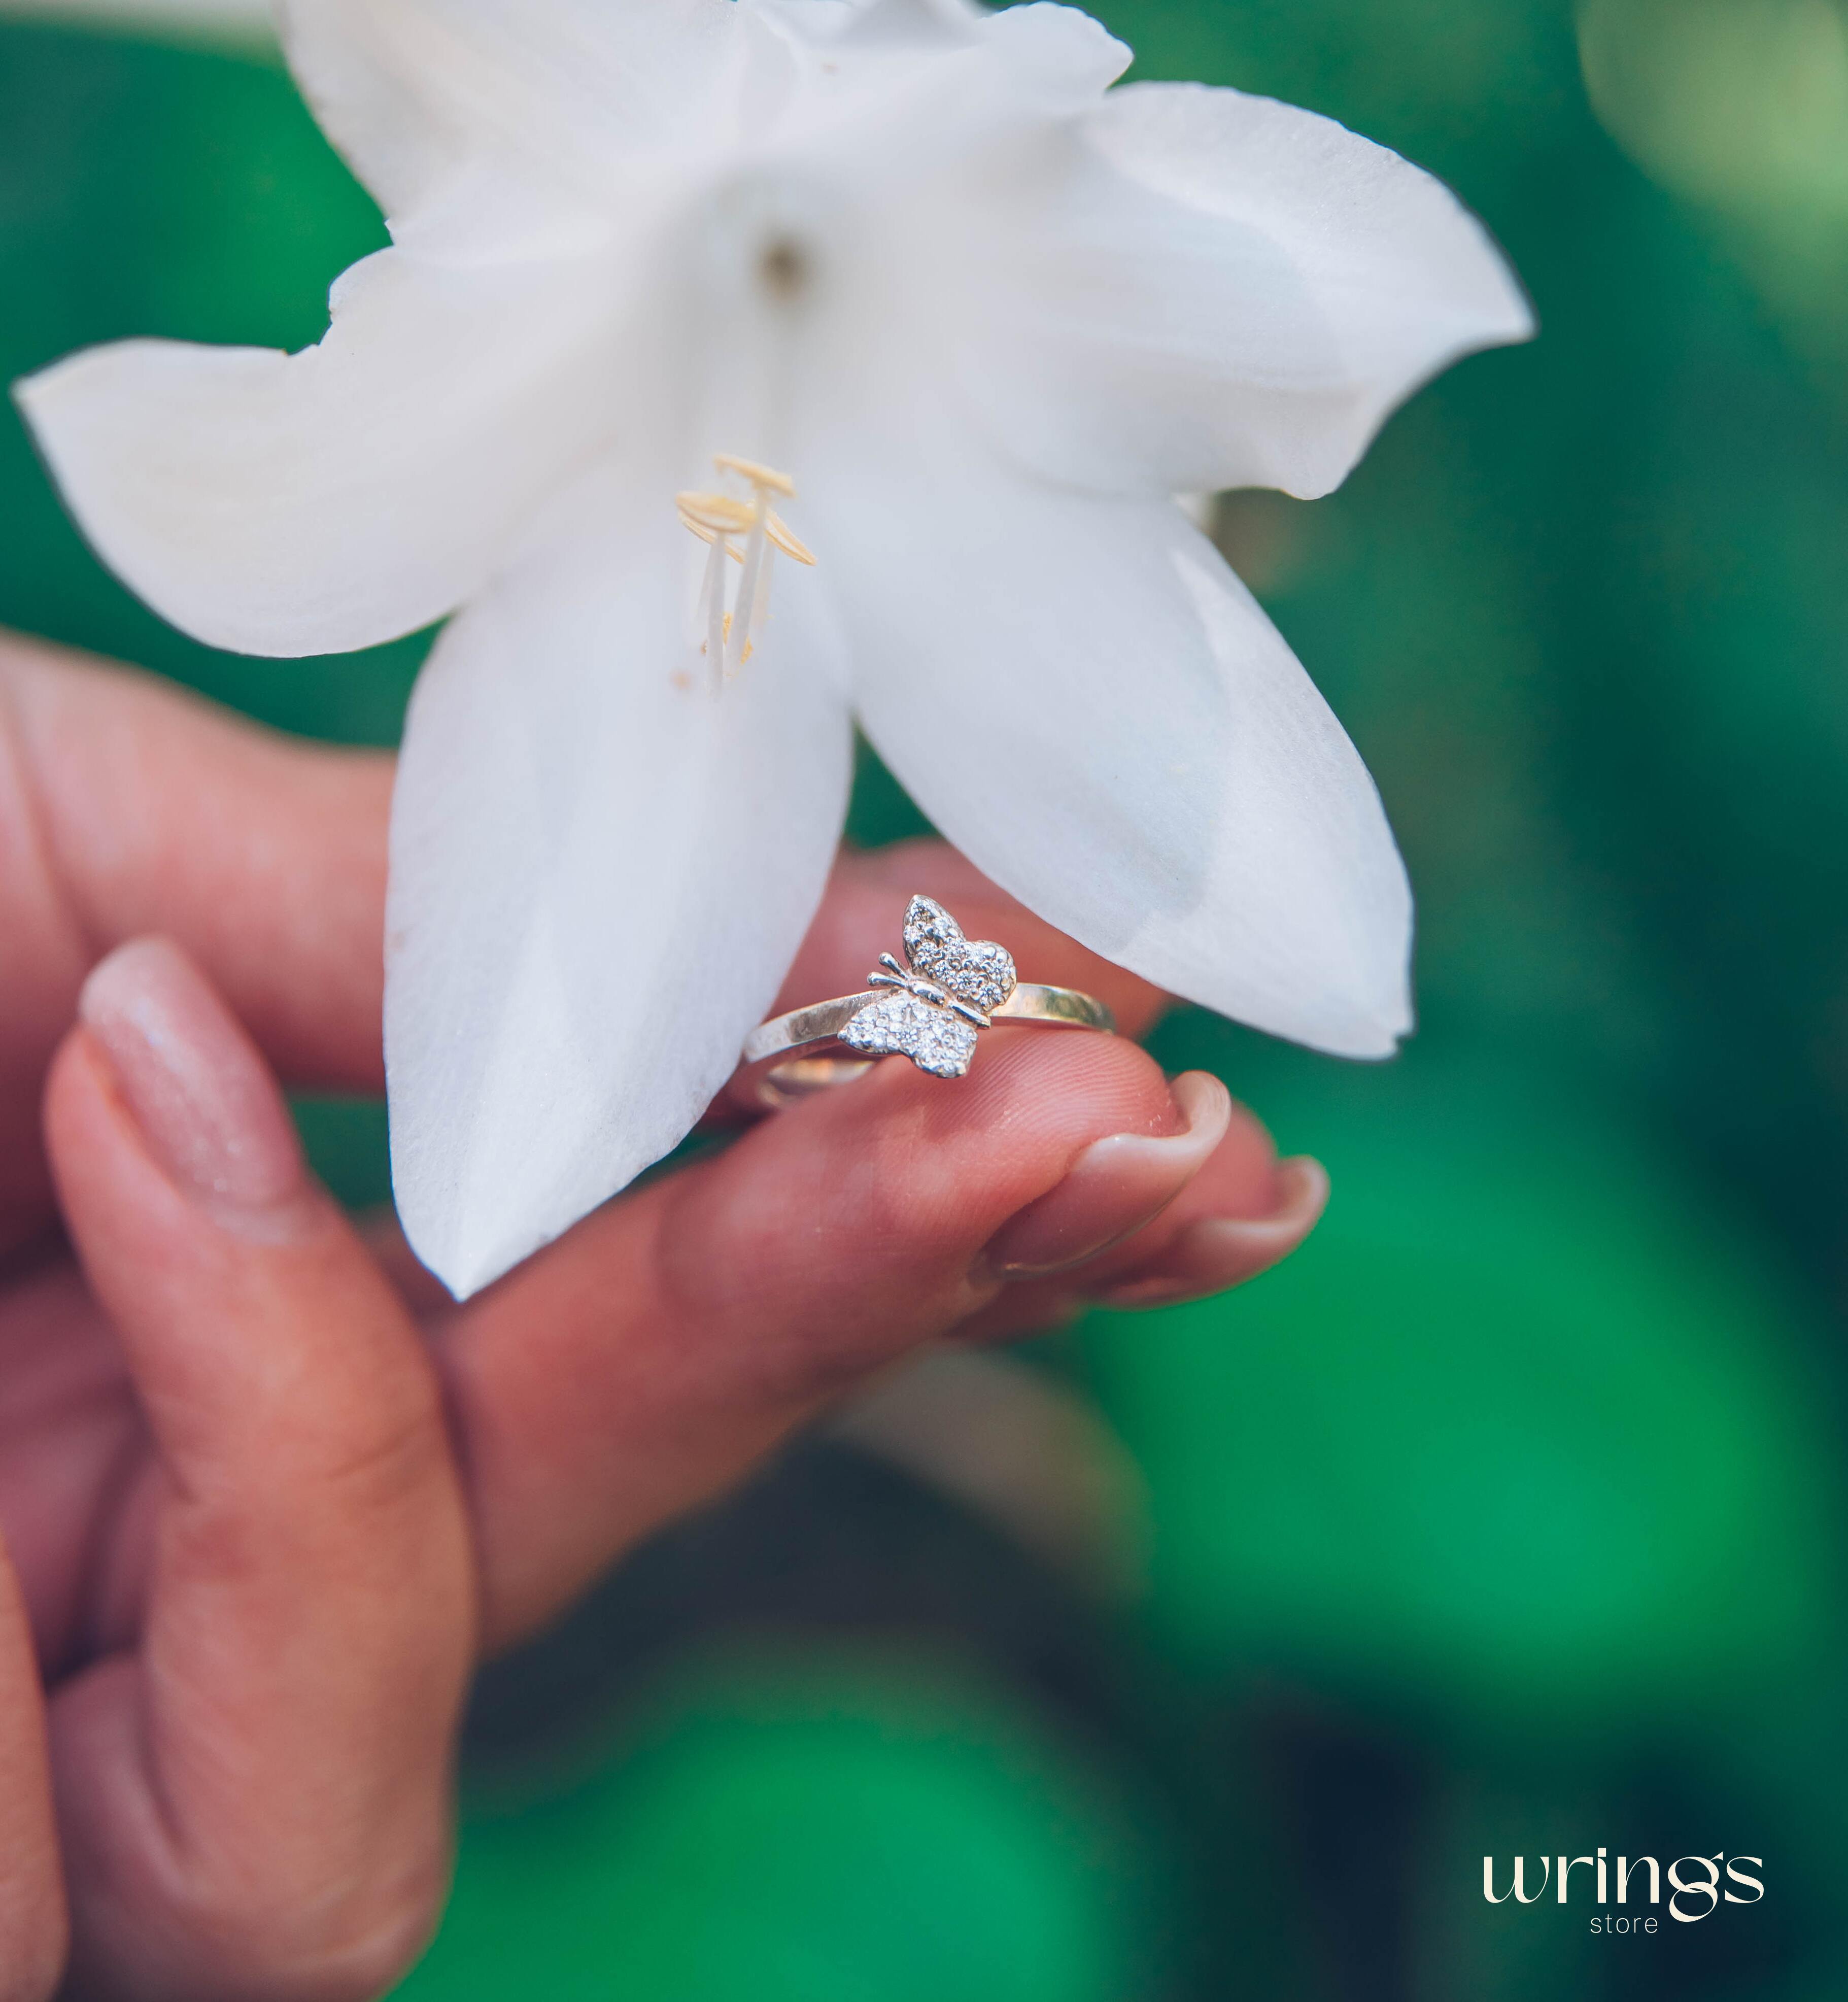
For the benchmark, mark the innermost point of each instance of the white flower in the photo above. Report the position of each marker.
(992, 319)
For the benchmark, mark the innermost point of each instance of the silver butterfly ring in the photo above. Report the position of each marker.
(931, 1008)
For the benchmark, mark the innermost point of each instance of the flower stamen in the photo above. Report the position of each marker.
(758, 475)
(731, 635)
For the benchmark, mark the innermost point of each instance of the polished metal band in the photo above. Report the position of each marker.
(794, 1055)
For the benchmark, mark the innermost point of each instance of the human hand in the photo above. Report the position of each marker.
(267, 1492)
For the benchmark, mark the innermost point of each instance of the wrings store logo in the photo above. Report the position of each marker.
(1696, 1889)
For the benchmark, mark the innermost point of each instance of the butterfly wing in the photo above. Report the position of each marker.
(901, 1025)
(976, 971)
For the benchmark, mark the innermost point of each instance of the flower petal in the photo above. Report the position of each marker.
(892, 24)
(1090, 705)
(1207, 290)
(1060, 52)
(600, 873)
(309, 504)
(1057, 53)
(414, 92)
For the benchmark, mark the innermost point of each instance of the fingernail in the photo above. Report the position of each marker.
(1215, 1252)
(1113, 1188)
(205, 1101)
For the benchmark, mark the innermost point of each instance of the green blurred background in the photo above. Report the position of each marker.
(1205, 1654)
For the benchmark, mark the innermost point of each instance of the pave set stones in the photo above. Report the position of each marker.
(976, 971)
(902, 1025)
(952, 987)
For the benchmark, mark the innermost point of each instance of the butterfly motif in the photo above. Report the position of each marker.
(951, 988)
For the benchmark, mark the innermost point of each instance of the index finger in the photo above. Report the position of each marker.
(129, 807)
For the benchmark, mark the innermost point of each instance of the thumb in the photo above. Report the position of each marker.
(255, 1803)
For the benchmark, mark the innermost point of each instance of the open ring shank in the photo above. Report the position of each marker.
(795, 1055)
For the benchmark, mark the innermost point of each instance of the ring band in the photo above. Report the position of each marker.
(930, 1010)
(797, 1055)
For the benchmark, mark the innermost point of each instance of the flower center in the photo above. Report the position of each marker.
(784, 269)
(726, 520)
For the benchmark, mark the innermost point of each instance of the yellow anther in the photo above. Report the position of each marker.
(778, 530)
(708, 516)
(758, 475)
(723, 522)
(706, 534)
(718, 513)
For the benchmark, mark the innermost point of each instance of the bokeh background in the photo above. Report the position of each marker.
(1205, 1654)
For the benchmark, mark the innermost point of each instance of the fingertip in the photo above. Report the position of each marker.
(1116, 1185)
(109, 1191)
(207, 1106)
(1211, 1253)
(225, 1267)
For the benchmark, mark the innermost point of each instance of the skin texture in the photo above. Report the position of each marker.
(267, 1493)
